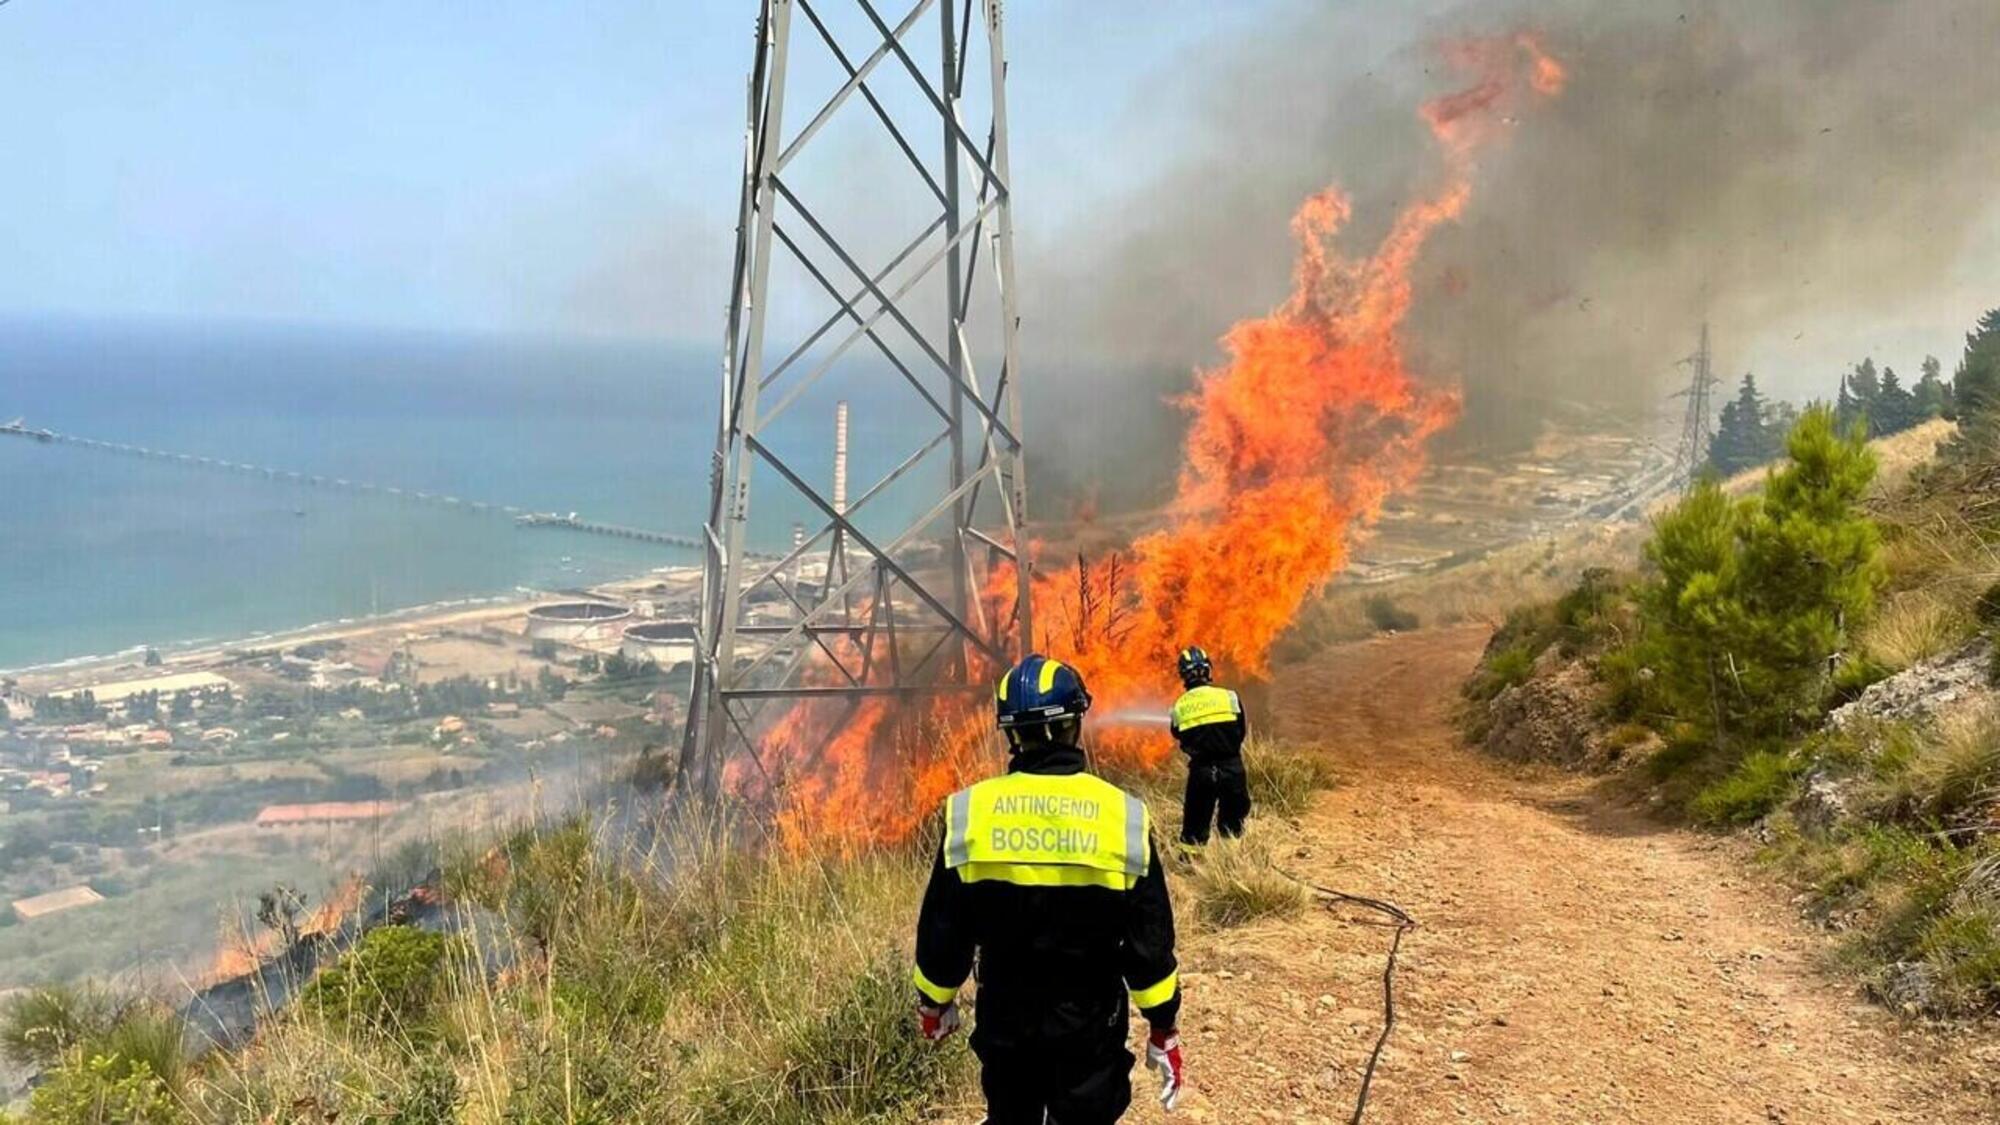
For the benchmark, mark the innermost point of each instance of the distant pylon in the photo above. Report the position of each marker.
(908, 605)
(1697, 426)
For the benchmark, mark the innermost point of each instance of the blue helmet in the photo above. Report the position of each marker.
(1039, 691)
(1194, 666)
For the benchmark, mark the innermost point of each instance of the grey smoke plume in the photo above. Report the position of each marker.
(1755, 164)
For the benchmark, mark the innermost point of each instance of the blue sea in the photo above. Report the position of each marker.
(101, 552)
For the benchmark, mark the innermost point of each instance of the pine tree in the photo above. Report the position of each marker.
(1750, 600)
(1895, 408)
(1864, 386)
(1932, 395)
(1808, 562)
(1740, 440)
(1977, 384)
(1845, 410)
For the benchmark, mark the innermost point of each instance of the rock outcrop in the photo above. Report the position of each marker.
(1923, 690)
(1555, 717)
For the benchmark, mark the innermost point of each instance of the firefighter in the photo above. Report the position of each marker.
(1208, 723)
(1049, 878)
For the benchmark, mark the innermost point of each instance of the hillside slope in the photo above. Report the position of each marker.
(1577, 962)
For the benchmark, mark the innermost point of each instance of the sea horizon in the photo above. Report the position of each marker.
(109, 553)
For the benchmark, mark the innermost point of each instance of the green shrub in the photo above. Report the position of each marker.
(103, 1090)
(858, 1060)
(1854, 676)
(149, 1035)
(430, 1095)
(1283, 779)
(390, 981)
(589, 1078)
(40, 1025)
(1506, 668)
(1962, 945)
(1388, 617)
(1628, 688)
(1683, 749)
(1760, 783)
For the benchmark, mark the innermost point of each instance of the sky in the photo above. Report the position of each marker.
(495, 167)
(566, 169)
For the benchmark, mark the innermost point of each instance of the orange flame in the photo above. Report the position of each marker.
(1305, 430)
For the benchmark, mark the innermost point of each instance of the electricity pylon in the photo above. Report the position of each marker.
(905, 601)
(1696, 426)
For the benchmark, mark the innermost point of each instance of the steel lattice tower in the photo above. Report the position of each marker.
(1697, 427)
(902, 603)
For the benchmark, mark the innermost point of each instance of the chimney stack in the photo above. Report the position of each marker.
(840, 458)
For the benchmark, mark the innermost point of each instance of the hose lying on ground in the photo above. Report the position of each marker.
(1403, 924)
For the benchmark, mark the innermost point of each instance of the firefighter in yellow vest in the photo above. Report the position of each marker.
(1208, 723)
(1048, 878)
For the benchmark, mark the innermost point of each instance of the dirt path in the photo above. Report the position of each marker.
(1577, 962)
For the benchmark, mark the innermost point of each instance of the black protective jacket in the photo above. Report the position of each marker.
(1054, 962)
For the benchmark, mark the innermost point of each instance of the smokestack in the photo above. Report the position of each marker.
(840, 458)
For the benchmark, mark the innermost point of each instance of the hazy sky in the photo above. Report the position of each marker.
(456, 166)
(561, 168)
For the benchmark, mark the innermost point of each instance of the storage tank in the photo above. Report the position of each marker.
(571, 623)
(665, 643)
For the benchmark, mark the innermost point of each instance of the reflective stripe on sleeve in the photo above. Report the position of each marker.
(1045, 875)
(958, 829)
(937, 992)
(1136, 857)
(1152, 996)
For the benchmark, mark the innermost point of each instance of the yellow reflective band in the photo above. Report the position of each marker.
(1155, 995)
(1045, 875)
(1204, 705)
(1049, 670)
(1184, 654)
(1002, 690)
(936, 992)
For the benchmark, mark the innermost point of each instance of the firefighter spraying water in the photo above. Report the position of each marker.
(1310, 424)
(1049, 876)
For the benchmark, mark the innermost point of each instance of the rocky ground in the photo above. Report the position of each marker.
(1577, 961)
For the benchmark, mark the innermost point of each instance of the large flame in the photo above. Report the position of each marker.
(1312, 421)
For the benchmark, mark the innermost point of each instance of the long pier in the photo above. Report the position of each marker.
(522, 517)
(571, 522)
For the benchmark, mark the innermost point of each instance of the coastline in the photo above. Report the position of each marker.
(482, 609)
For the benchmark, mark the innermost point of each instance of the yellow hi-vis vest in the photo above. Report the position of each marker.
(1200, 706)
(1048, 830)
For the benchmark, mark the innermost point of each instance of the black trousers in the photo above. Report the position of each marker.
(1217, 791)
(1088, 1084)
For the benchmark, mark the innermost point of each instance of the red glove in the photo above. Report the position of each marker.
(936, 1023)
(1163, 1053)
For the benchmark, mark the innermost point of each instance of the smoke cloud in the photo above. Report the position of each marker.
(1759, 165)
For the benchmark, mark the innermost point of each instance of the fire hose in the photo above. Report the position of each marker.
(1402, 924)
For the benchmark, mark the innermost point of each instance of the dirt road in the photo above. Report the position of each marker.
(1577, 962)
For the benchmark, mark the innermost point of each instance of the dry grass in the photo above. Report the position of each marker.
(1953, 773)
(1284, 778)
(1483, 590)
(684, 982)
(1914, 626)
(1234, 883)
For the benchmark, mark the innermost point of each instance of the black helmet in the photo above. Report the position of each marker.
(1037, 694)
(1194, 667)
